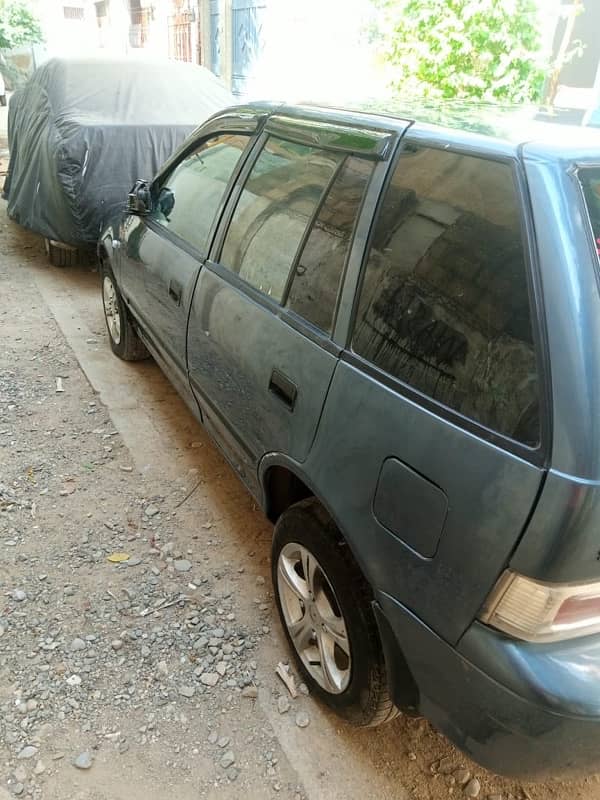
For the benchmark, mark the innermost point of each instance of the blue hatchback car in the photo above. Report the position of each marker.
(392, 329)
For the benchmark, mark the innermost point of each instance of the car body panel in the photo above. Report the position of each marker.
(274, 392)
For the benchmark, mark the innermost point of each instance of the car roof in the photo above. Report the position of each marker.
(500, 130)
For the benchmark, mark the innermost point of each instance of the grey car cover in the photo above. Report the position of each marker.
(81, 132)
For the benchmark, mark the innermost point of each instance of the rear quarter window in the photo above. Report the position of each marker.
(590, 183)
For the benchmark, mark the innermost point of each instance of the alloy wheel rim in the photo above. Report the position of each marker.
(111, 310)
(313, 618)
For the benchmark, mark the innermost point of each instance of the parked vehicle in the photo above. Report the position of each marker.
(392, 330)
(82, 131)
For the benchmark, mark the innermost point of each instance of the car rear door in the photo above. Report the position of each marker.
(163, 251)
(260, 354)
(433, 442)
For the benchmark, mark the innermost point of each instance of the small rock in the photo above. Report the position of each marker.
(83, 760)
(283, 704)
(227, 760)
(182, 565)
(77, 644)
(250, 691)
(39, 768)
(116, 644)
(212, 737)
(494, 797)
(302, 719)
(146, 652)
(445, 765)
(209, 678)
(472, 788)
(17, 789)
(74, 680)
(223, 741)
(412, 757)
(462, 776)
(28, 752)
(18, 595)
(151, 511)
(187, 691)
(260, 581)
(232, 773)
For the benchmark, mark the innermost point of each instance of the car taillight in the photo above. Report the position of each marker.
(542, 612)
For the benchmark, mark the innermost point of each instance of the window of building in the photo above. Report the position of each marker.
(188, 199)
(444, 305)
(73, 12)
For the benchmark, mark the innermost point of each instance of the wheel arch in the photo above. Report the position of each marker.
(283, 482)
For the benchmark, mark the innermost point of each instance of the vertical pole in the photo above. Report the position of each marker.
(226, 42)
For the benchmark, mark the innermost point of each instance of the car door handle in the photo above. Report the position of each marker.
(175, 292)
(283, 388)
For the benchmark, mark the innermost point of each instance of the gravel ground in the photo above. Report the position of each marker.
(138, 640)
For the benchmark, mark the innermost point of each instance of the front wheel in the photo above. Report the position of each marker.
(124, 340)
(324, 605)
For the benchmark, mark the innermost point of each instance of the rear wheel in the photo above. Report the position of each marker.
(60, 255)
(324, 605)
(124, 339)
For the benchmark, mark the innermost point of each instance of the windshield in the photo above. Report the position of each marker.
(590, 181)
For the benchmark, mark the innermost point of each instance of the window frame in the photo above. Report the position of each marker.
(538, 455)
(278, 308)
(249, 125)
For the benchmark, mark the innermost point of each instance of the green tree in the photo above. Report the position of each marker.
(18, 25)
(487, 50)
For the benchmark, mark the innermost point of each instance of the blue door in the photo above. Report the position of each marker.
(248, 39)
(215, 38)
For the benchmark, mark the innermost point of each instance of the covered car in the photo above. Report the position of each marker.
(82, 131)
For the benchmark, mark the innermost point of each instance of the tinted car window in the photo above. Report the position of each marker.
(444, 304)
(590, 181)
(188, 198)
(274, 210)
(316, 280)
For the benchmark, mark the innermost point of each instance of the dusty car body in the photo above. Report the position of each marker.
(392, 330)
(81, 131)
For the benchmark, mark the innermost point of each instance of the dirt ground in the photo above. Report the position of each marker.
(154, 676)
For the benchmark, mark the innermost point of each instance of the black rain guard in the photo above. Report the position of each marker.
(81, 132)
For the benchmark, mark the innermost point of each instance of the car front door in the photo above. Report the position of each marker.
(260, 353)
(163, 250)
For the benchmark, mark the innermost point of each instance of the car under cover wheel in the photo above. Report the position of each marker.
(61, 255)
(324, 605)
(124, 339)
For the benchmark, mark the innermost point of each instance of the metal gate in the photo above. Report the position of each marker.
(180, 36)
(215, 37)
(248, 39)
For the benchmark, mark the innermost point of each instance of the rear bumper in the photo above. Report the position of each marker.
(528, 711)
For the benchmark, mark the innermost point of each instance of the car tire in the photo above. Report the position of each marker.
(124, 340)
(328, 619)
(60, 255)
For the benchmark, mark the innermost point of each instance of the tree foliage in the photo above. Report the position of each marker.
(18, 25)
(487, 50)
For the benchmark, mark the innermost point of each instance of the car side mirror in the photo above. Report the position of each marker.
(139, 199)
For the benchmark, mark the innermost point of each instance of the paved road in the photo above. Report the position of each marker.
(153, 451)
